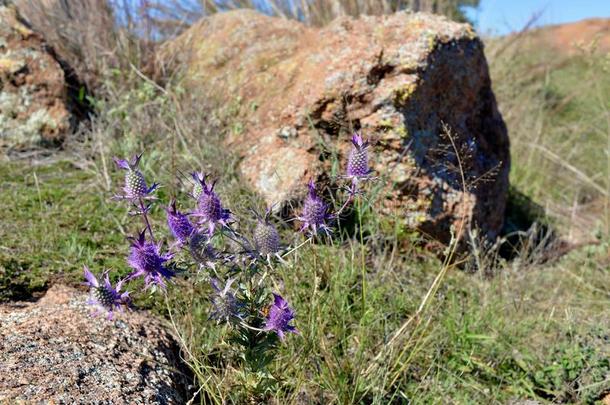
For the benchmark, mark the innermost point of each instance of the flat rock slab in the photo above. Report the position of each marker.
(53, 351)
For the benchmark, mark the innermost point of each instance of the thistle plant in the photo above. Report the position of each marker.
(179, 224)
(146, 260)
(258, 319)
(279, 317)
(315, 216)
(358, 160)
(104, 296)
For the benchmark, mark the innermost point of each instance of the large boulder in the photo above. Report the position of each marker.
(36, 91)
(417, 84)
(53, 351)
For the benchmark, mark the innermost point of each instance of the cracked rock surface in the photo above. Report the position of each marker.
(53, 351)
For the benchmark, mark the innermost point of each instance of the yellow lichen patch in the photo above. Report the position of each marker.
(432, 40)
(386, 124)
(9, 14)
(10, 66)
(409, 66)
(470, 32)
(403, 94)
(402, 131)
(24, 31)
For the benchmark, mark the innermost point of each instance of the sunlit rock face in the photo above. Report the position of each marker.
(35, 103)
(417, 85)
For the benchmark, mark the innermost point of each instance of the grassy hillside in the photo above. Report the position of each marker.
(535, 326)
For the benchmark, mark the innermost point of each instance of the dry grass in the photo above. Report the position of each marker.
(557, 110)
(320, 12)
(101, 37)
(88, 36)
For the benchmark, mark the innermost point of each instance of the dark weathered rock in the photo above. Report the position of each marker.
(54, 351)
(401, 79)
(36, 106)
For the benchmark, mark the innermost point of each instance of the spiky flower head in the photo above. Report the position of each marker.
(225, 306)
(104, 296)
(209, 208)
(314, 215)
(279, 317)
(146, 261)
(135, 185)
(197, 187)
(201, 248)
(358, 159)
(266, 236)
(179, 224)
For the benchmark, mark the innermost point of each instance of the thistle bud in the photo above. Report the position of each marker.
(315, 212)
(197, 190)
(358, 159)
(135, 186)
(178, 223)
(209, 207)
(104, 296)
(266, 238)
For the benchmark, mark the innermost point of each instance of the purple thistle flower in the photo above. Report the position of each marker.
(135, 185)
(146, 261)
(104, 296)
(279, 317)
(225, 305)
(315, 212)
(358, 159)
(209, 208)
(178, 223)
(266, 237)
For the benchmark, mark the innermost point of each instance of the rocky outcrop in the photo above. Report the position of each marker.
(416, 84)
(53, 351)
(36, 106)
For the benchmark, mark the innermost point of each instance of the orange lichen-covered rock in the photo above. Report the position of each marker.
(35, 94)
(416, 84)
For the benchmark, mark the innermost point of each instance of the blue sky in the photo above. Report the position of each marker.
(504, 16)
